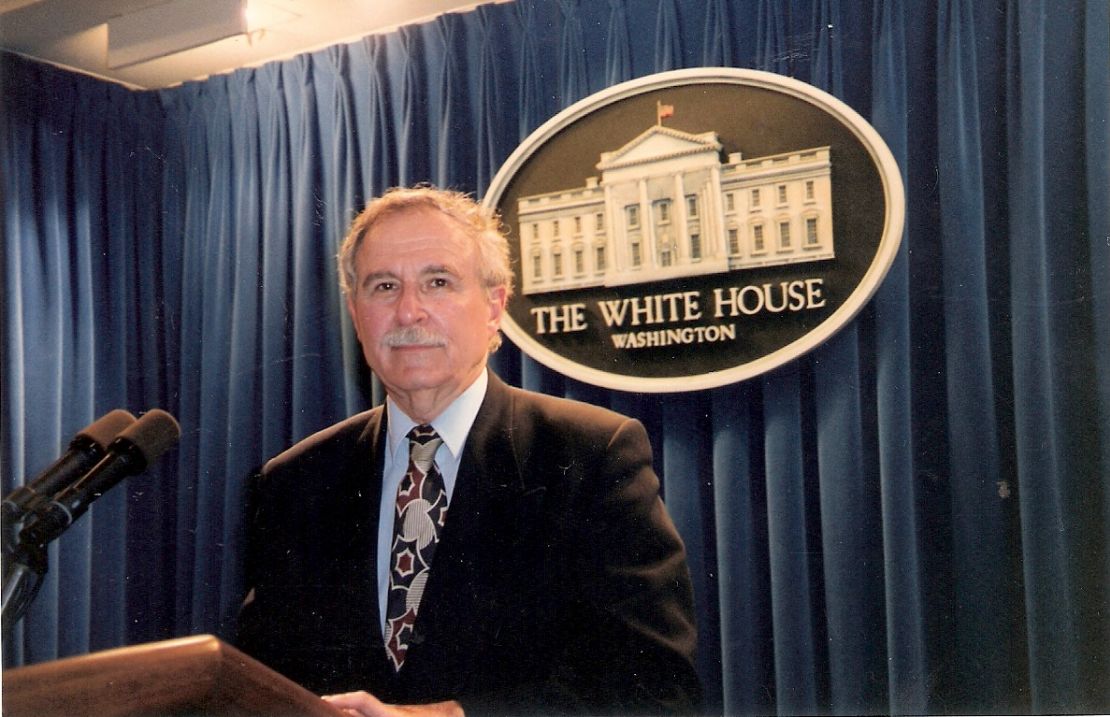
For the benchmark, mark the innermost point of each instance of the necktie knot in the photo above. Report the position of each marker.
(423, 444)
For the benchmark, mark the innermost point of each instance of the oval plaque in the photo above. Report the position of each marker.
(694, 228)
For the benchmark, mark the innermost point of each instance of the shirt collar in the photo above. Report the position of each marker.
(453, 425)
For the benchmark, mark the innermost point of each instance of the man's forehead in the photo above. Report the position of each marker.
(419, 214)
(418, 226)
(427, 244)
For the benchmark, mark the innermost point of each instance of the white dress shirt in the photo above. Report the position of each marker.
(453, 426)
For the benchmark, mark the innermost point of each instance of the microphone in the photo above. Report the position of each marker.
(136, 447)
(86, 448)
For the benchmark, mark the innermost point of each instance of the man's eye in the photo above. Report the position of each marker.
(383, 286)
(439, 282)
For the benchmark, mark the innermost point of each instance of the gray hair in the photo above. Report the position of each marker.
(480, 225)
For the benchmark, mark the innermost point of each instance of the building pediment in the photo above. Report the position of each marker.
(659, 143)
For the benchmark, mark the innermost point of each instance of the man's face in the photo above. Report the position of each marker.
(419, 307)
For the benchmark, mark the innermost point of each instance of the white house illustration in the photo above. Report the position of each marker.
(665, 206)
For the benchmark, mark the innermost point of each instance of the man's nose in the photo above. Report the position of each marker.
(410, 306)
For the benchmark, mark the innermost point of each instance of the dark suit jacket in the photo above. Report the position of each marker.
(559, 585)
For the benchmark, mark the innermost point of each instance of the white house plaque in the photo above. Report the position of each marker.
(694, 228)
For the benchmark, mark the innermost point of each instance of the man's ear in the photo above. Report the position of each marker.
(498, 298)
(352, 314)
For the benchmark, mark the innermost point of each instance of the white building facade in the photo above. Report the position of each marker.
(666, 206)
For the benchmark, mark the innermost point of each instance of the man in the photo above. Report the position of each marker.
(468, 547)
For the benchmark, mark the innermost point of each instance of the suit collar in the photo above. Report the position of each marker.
(489, 481)
(453, 424)
(489, 458)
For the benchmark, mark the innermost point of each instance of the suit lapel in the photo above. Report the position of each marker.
(488, 480)
(370, 480)
(488, 472)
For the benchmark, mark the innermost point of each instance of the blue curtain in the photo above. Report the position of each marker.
(913, 518)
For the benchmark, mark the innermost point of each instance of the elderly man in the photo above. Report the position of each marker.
(468, 547)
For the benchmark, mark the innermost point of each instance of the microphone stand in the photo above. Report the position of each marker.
(24, 569)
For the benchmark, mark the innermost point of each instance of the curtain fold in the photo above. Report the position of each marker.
(189, 512)
(668, 41)
(903, 596)
(981, 496)
(770, 45)
(852, 552)
(791, 552)
(343, 191)
(747, 672)
(618, 53)
(73, 335)
(573, 80)
(275, 152)
(912, 518)
(149, 516)
(245, 392)
(215, 260)
(717, 38)
(451, 156)
(374, 105)
(534, 107)
(687, 457)
(1096, 68)
(315, 352)
(1057, 472)
(18, 220)
(490, 137)
(412, 143)
(828, 65)
(849, 479)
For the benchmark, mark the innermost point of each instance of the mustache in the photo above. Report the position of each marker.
(412, 336)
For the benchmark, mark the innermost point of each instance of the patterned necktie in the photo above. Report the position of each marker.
(417, 523)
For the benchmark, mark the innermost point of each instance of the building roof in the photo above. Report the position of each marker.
(656, 143)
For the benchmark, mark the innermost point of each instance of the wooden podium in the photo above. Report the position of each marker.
(191, 676)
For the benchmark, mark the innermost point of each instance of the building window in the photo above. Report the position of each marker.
(599, 258)
(784, 235)
(632, 213)
(535, 231)
(555, 228)
(599, 222)
(579, 260)
(809, 190)
(663, 211)
(811, 231)
(537, 266)
(637, 258)
(730, 202)
(578, 226)
(758, 245)
(755, 199)
(733, 241)
(782, 194)
(695, 246)
(665, 256)
(691, 205)
(557, 262)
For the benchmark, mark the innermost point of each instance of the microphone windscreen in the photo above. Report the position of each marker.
(153, 433)
(104, 430)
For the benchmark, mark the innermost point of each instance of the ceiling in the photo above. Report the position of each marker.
(74, 34)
